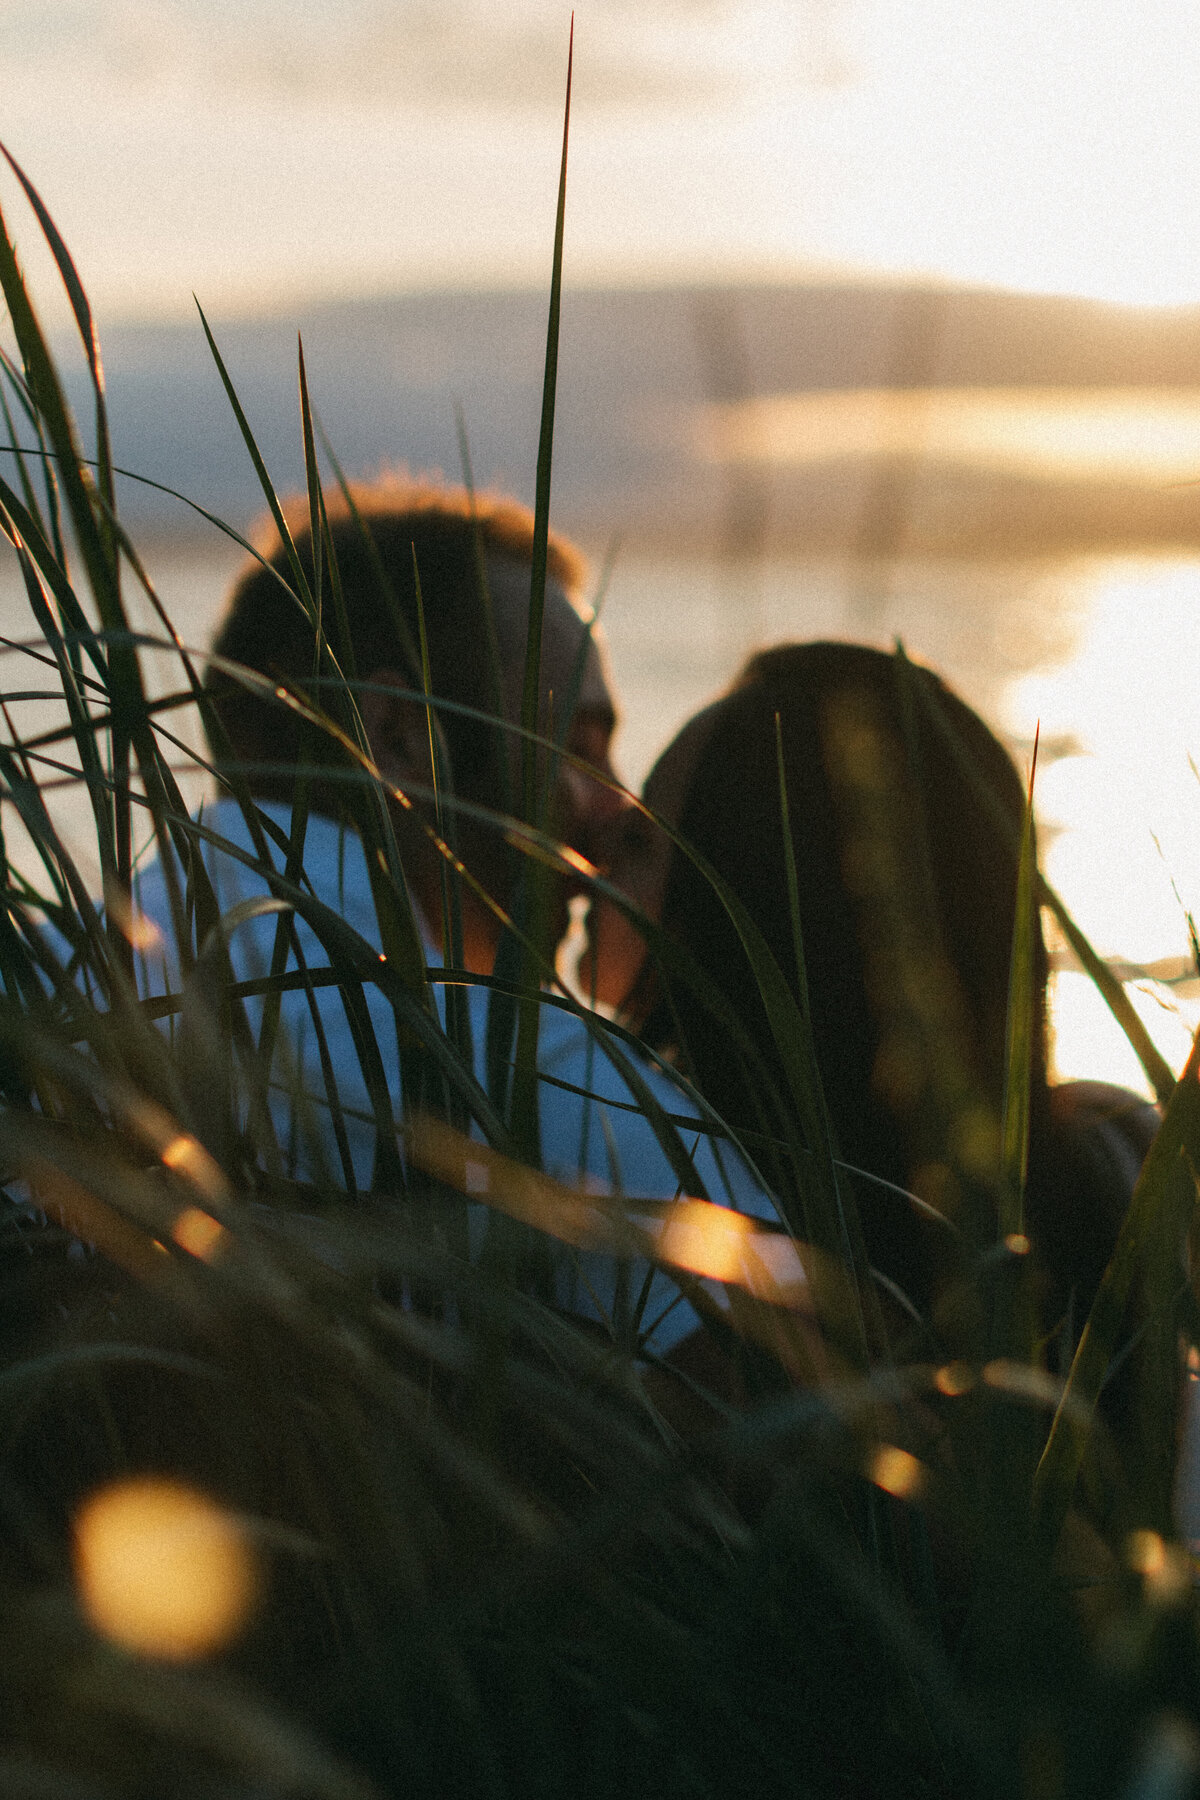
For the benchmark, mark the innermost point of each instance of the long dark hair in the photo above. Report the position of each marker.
(906, 815)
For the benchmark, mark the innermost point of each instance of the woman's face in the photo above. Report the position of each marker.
(637, 859)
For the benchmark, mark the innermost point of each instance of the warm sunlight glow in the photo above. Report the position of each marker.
(187, 1156)
(1165, 1568)
(162, 1570)
(198, 1233)
(725, 1246)
(896, 1472)
(1128, 434)
(143, 933)
(1120, 820)
(1038, 144)
(707, 1240)
(1145, 1552)
(954, 1379)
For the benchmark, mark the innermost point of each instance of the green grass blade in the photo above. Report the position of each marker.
(53, 506)
(531, 686)
(496, 702)
(316, 505)
(54, 415)
(1157, 1069)
(524, 1099)
(302, 585)
(83, 319)
(387, 592)
(1019, 1031)
(458, 1019)
(793, 885)
(298, 819)
(1152, 1219)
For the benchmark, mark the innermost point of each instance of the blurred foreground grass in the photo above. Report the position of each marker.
(299, 1499)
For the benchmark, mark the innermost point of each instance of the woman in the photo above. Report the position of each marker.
(906, 816)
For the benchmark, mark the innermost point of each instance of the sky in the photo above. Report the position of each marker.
(261, 151)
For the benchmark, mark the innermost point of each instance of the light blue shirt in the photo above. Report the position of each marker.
(593, 1135)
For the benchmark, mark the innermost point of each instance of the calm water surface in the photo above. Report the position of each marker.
(1104, 652)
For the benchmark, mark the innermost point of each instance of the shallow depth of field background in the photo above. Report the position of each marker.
(880, 321)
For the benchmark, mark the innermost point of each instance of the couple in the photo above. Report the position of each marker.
(905, 815)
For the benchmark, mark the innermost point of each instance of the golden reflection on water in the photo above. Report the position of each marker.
(1129, 433)
(1121, 819)
(1104, 651)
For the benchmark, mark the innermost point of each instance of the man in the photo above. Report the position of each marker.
(473, 565)
(469, 598)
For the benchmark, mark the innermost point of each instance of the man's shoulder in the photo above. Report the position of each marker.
(588, 1068)
(237, 850)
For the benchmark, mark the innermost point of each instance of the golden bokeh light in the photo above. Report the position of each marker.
(1146, 1553)
(162, 1570)
(186, 1156)
(726, 1246)
(143, 933)
(1149, 434)
(707, 1240)
(954, 1379)
(198, 1233)
(1165, 1568)
(896, 1472)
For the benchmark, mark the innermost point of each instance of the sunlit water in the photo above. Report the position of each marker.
(1105, 653)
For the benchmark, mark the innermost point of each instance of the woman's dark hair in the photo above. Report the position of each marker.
(906, 816)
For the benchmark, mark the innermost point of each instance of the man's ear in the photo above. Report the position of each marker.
(397, 728)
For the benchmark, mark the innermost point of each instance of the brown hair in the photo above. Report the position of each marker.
(394, 521)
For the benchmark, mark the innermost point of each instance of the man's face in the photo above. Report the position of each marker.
(637, 854)
(582, 809)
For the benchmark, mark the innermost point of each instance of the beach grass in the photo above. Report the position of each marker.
(493, 1551)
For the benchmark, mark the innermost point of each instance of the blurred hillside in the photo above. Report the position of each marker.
(642, 377)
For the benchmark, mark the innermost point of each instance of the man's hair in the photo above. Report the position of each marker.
(394, 522)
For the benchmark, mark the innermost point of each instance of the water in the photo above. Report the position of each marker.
(1103, 651)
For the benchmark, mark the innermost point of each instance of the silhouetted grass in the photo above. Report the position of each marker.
(501, 1552)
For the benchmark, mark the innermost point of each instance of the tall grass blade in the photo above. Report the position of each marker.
(458, 1018)
(793, 885)
(1152, 1221)
(1157, 1069)
(1018, 1049)
(20, 388)
(48, 398)
(81, 308)
(524, 1093)
(302, 586)
(387, 592)
(531, 686)
(298, 820)
(496, 701)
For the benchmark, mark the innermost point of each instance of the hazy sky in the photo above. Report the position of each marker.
(255, 149)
